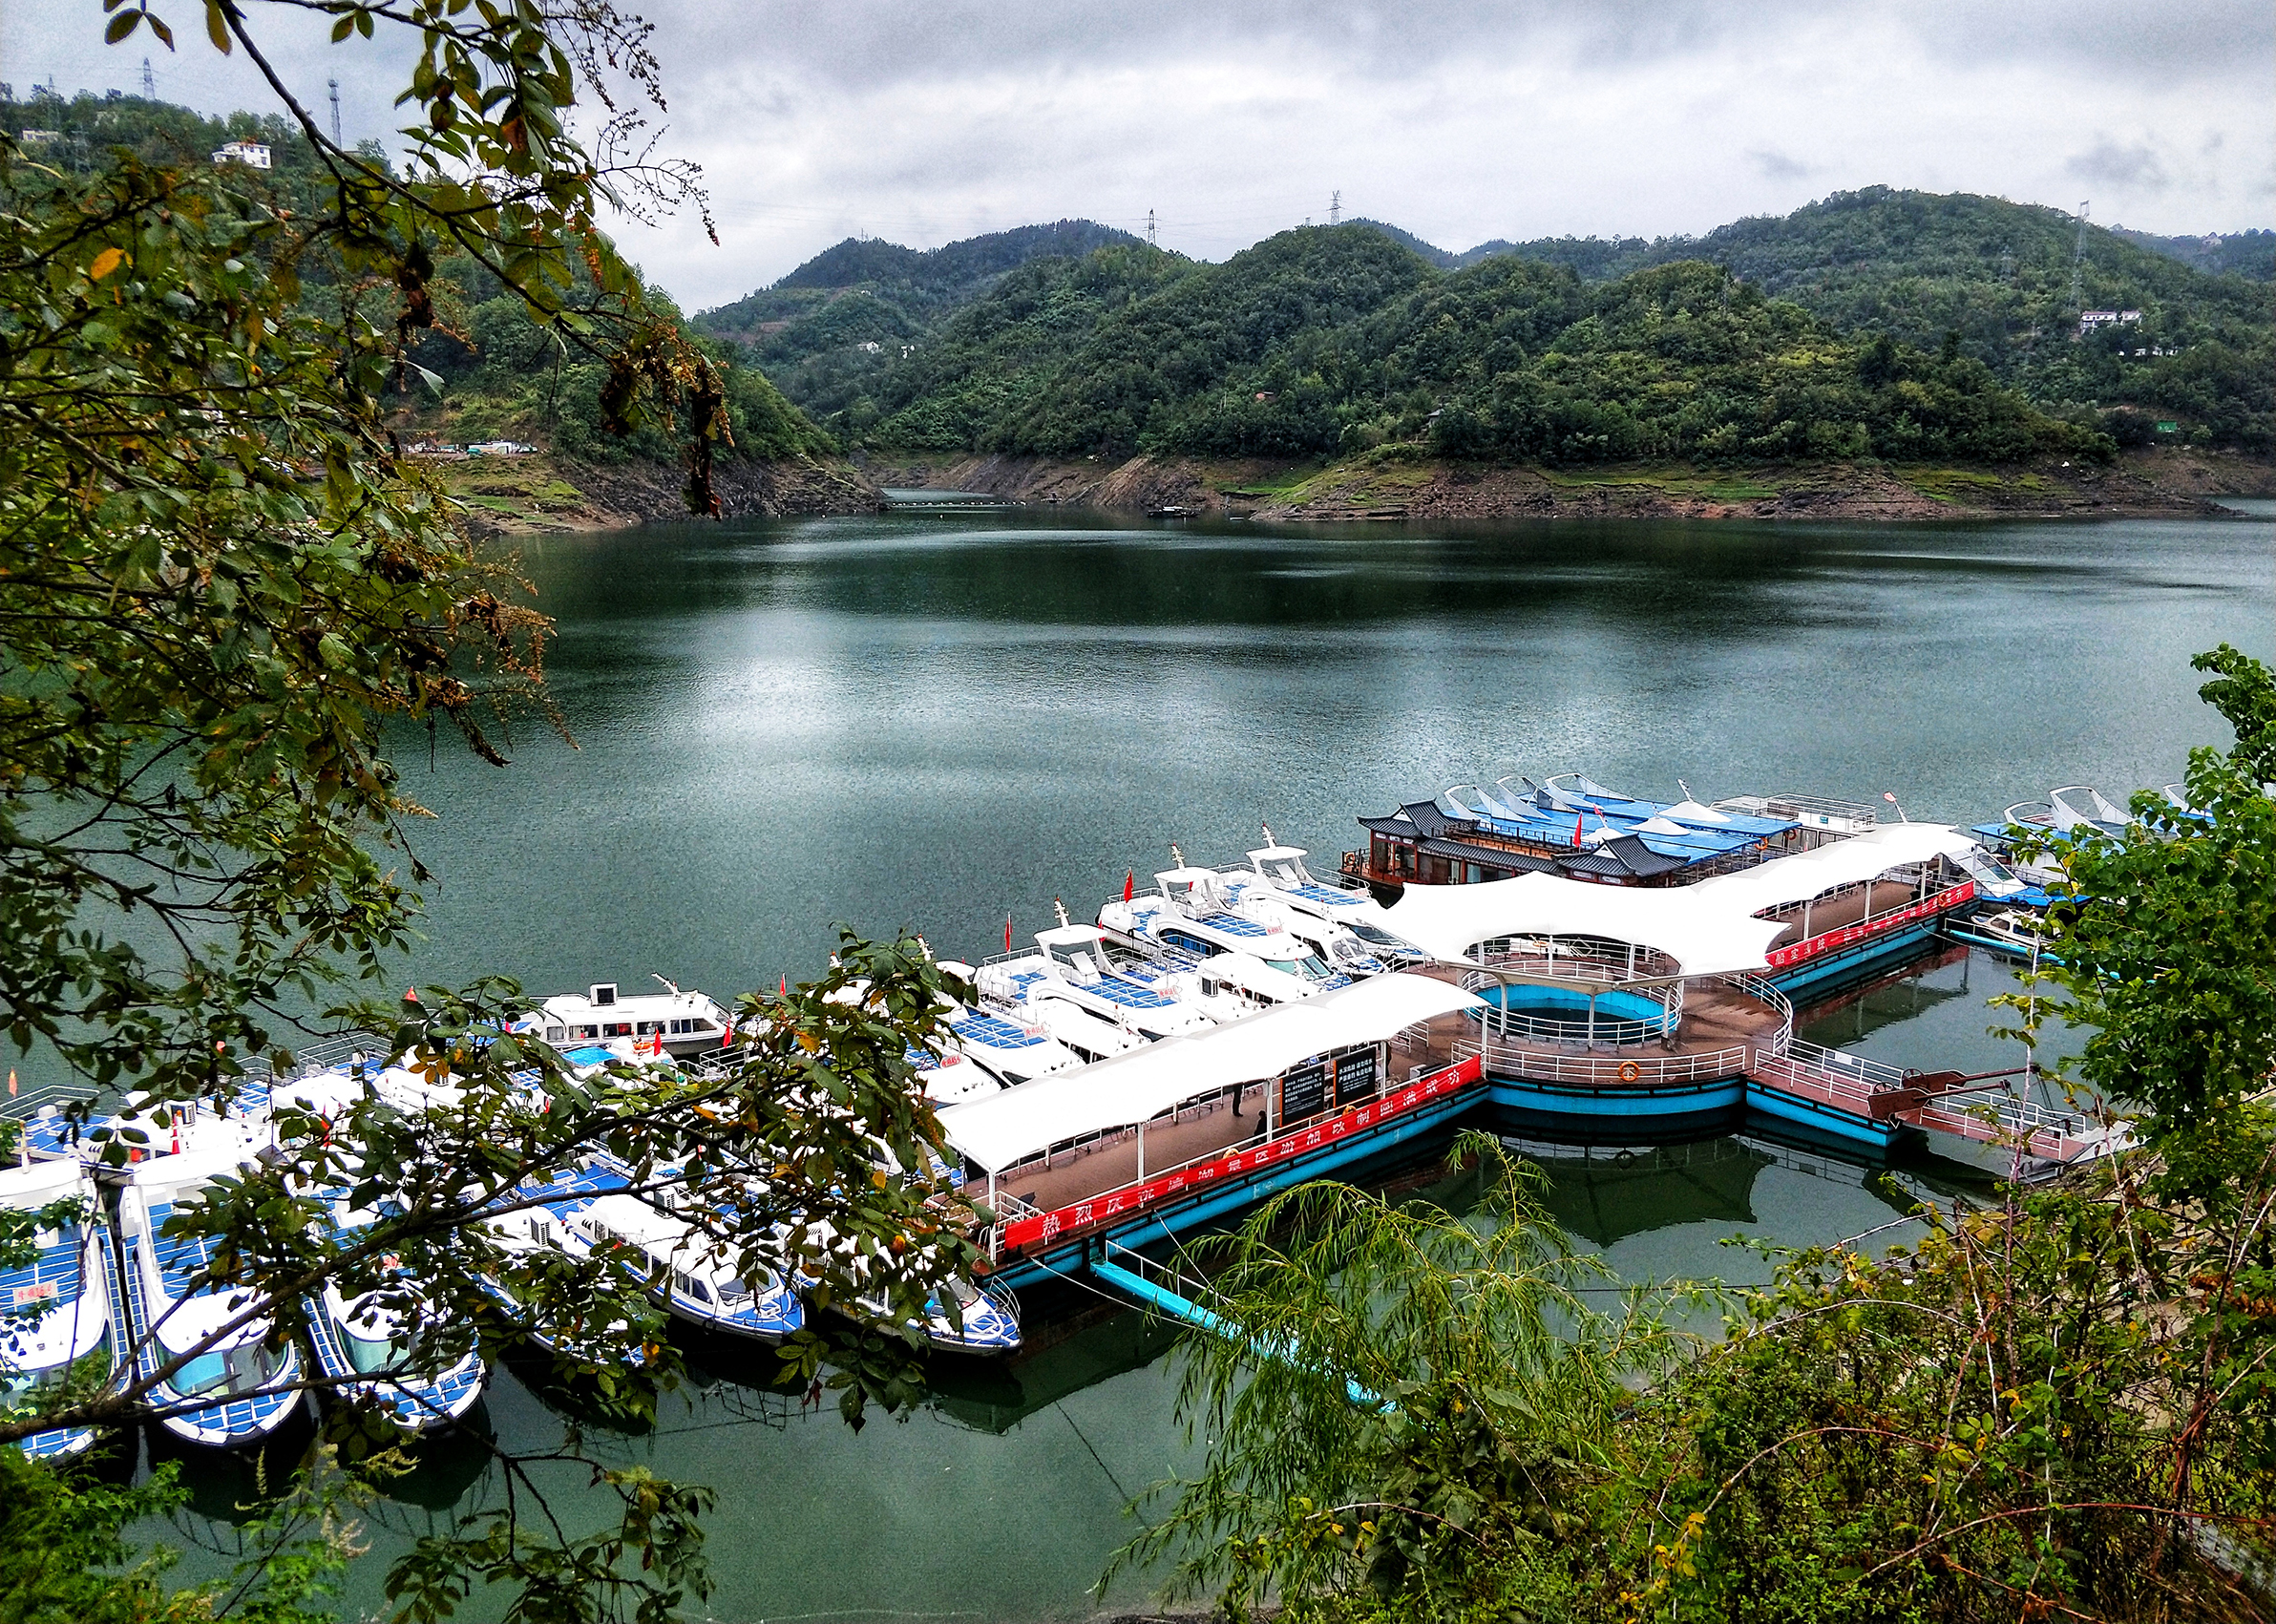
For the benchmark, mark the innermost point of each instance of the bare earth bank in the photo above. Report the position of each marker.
(2170, 482)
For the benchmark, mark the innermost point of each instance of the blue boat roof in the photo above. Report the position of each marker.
(56, 1266)
(591, 1054)
(1232, 924)
(1330, 895)
(1129, 994)
(993, 1030)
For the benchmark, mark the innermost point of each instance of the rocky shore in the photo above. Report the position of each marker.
(1392, 488)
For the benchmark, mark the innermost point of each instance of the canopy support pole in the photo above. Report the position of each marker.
(1142, 1152)
(1591, 1019)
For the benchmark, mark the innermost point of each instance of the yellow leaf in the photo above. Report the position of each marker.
(105, 263)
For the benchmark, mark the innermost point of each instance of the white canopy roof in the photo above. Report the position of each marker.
(1709, 928)
(1003, 1128)
(1840, 862)
(1705, 938)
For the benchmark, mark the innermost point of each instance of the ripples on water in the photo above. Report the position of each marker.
(934, 719)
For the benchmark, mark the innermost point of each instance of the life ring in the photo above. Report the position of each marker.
(1623, 1157)
(1629, 1071)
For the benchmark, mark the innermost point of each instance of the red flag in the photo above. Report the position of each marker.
(1130, 885)
(1576, 829)
(411, 995)
(12, 1079)
(1007, 933)
(726, 1036)
(783, 986)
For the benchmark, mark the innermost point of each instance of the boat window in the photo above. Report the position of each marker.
(556, 1034)
(616, 1029)
(367, 1354)
(204, 1374)
(588, 1031)
(647, 1028)
(690, 1286)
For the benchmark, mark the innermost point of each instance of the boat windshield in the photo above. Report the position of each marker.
(234, 1370)
(201, 1375)
(965, 1293)
(1374, 935)
(1308, 965)
(1286, 872)
(1086, 958)
(369, 1353)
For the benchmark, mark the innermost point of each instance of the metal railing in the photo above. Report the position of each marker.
(1582, 958)
(1583, 1027)
(1606, 1071)
(1873, 1074)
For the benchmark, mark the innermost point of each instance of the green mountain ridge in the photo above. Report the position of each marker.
(1294, 350)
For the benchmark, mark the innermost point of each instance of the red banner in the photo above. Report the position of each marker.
(1880, 924)
(1047, 1226)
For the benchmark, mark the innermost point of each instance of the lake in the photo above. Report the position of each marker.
(942, 719)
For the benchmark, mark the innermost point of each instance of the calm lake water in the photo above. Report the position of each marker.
(937, 719)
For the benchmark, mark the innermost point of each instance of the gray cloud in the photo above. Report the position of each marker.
(2131, 168)
(1777, 166)
(1459, 119)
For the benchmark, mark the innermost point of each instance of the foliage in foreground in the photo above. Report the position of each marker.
(219, 586)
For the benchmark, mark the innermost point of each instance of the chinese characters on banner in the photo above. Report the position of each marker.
(1881, 923)
(1130, 1198)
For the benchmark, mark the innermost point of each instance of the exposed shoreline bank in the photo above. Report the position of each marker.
(2161, 483)
(538, 495)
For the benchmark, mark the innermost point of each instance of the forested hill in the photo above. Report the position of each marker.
(1332, 341)
(1918, 265)
(826, 331)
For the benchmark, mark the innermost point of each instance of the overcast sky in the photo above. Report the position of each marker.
(1456, 120)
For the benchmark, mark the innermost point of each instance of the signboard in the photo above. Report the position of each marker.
(1043, 1228)
(1304, 1092)
(1355, 1077)
(1880, 924)
(43, 1292)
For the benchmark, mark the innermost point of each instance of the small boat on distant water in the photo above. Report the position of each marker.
(59, 1304)
(2015, 931)
(685, 1022)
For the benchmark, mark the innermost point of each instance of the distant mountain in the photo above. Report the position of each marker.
(2240, 253)
(834, 323)
(1412, 243)
(1344, 342)
(972, 345)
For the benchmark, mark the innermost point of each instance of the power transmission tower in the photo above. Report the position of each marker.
(2078, 263)
(1149, 229)
(335, 85)
(150, 82)
(1335, 208)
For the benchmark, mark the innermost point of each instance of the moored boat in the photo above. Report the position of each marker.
(682, 1024)
(59, 1309)
(242, 1388)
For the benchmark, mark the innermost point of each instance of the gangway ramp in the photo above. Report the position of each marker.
(1942, 1103)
